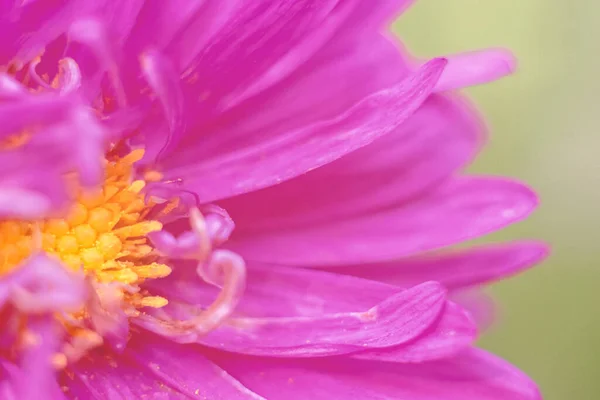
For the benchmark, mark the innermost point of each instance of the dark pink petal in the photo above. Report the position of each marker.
(457, 269)
(302, 150)
(440, 137)
(471, 375)
(396, 320)
(9, 375)
(461, 209)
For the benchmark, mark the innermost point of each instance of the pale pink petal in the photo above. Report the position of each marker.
(64, 137)
(476, 68)
(483, 307)
(43, 285)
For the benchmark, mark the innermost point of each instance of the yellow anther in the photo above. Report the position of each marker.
(78, 215)
(100, 219)
(72, 260)
(67, 244)
(92, 199)
(59, 361)
(154, 270)
(48, 241)
(153, 176)
(92, 259)
(137, 186)
(125, 276)
(104, 234)
(154, 302)
(57, 227)
(109, 245)
(139, 229)
(134, 156)
(85, 235)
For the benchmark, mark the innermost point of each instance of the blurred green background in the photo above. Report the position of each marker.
(544, 121)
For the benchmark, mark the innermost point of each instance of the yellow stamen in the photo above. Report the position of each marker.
(103, 233)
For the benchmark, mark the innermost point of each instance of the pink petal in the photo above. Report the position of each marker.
(298, 152)
(119, 17)
(481, 306)
(66, 138)
(475, 68)
(43, 285)
(179, 29)
(154, 369)
(35, 361)
(472, 375)
(456, 269)
(289, 292)
(370, 62)
(186, 369)
(451, 334)
(164, 81)
(24, 203)
(108, 377)
(459, 210)
(25, 112)
(440, 137)
(395, 321)
(231, 63)
(279, 291)
(28, 28)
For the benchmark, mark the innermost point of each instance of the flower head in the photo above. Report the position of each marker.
(242, 200)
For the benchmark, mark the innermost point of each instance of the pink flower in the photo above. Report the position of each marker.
(135, 135)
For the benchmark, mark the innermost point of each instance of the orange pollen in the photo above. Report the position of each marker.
(14, 141)
(104, 234)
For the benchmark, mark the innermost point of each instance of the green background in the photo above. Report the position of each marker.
(544, 121)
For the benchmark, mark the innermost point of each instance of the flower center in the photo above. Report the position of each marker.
(104, 234)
